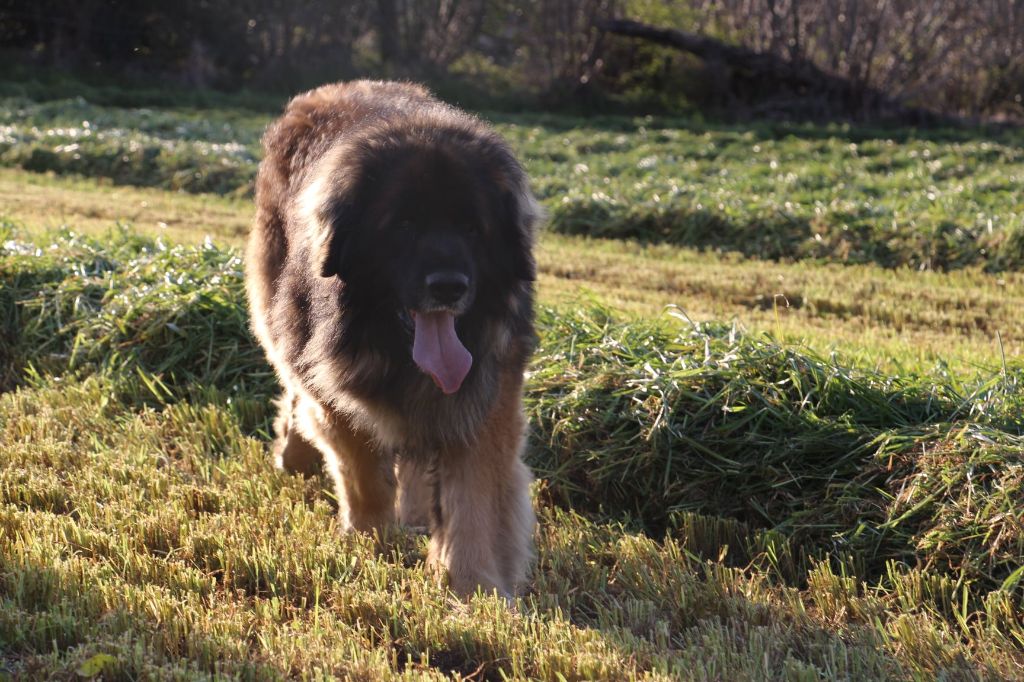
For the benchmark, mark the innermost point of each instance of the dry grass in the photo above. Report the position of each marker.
(92, 206)
(713, 506)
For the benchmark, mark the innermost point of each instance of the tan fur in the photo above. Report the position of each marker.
(415, 496)
(484, 495)
(403, 451)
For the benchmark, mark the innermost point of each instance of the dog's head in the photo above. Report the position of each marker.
(430, 225)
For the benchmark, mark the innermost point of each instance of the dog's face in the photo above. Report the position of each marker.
(429, 239)
(435, 223)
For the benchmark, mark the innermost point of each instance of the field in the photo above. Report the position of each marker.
(777, 414)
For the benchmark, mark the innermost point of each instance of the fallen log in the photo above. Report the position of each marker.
(799, 76)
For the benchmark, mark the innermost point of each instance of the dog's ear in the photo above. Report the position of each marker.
(334, 253)
(521, 214)
(329, 211)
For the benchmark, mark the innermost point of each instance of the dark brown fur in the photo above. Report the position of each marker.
(362, 182)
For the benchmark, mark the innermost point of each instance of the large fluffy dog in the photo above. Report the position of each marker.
(389, 274)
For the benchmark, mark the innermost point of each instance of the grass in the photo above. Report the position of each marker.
(39, 202)
(754, 497)
(757, 458)
(928, 200)
(896, 319)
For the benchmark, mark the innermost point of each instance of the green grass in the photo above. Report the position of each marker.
(929, 200)
(892, 318)
(760, 455)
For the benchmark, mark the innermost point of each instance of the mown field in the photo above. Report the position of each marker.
(777, 414)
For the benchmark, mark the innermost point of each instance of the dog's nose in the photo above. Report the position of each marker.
(447, 287)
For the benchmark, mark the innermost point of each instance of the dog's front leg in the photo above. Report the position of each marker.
(483, 527)
(362, 473)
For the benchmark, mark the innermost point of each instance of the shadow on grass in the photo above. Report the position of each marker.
(848, 237)
(773, 237)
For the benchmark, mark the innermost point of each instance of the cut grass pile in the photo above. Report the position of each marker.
(740, 509)
(659, 423)
(136, 303)
(781, 192)
(142, 147)
(897, 319)
(929, 200)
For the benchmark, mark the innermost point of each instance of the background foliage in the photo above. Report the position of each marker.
(954, 56)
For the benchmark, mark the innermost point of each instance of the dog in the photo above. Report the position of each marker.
(390, 276)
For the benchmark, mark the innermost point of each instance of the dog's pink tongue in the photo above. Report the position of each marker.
(438, 352)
